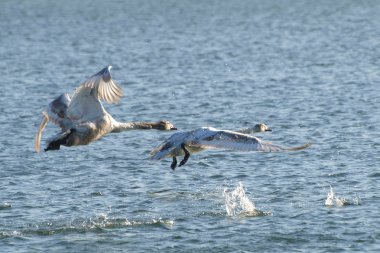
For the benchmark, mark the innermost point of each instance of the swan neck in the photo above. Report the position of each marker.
(249, 130)
(126, 126)
(121, 126)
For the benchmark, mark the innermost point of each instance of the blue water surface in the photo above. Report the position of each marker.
(308, 69)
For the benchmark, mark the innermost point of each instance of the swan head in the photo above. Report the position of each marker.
(165, 125)
(261, 128)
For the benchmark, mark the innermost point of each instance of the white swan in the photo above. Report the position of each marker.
(186, 143)
(82, 117)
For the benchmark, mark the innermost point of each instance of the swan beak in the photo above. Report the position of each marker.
(173, 128)
(268, 130)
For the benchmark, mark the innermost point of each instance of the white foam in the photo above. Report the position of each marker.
(238, 204)
(332, 199)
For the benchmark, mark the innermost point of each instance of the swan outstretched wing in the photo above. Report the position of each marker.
(105, 87)
(44, 121)
(237, 141)
(85, 104)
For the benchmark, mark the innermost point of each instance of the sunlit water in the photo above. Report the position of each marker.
(309, 70)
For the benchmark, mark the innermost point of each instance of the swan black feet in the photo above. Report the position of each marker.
(56, 144)
(187, 155)
(174, 163)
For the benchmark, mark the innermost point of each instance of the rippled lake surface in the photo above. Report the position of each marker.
(309, 70)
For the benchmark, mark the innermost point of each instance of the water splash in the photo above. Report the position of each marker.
(103, 221)
(94, 224)
(332, 199)
(5, 205)
(238, 204)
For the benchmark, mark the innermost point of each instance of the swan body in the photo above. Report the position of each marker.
(186, 143)
(82, 117)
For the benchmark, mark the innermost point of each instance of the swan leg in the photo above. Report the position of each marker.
(174, 163)
(187, 155)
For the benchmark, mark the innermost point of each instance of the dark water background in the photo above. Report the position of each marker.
(309, 70)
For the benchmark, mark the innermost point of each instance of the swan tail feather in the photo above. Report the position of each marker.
(158, 154)
(161, 151)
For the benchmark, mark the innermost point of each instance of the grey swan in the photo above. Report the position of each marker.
(186, 143)
(82, 117)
